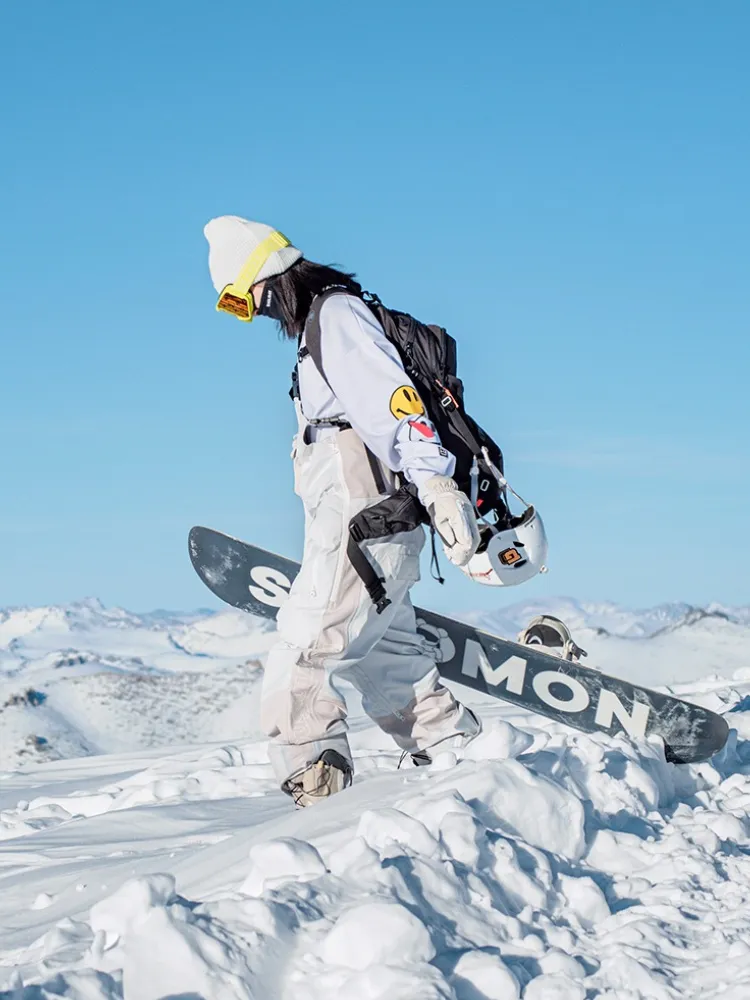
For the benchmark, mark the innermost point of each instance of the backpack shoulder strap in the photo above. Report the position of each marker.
(312, 329)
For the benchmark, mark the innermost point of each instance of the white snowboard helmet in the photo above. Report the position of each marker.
(507, 558)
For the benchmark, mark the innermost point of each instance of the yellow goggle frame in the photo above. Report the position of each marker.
(236, 298)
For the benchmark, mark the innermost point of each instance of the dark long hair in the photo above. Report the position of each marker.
(296, 288)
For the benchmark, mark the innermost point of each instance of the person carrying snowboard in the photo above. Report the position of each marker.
(363, 432)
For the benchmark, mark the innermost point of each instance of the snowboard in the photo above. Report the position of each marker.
(258, 581)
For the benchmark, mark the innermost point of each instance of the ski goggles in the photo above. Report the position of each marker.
(236, 298)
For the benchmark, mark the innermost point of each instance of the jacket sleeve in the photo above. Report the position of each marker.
(366, 375)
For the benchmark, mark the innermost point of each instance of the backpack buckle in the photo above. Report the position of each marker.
(447, 400)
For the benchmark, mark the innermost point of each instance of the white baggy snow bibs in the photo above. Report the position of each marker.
(329, 628)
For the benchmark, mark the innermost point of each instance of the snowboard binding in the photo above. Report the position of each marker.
(553, 635)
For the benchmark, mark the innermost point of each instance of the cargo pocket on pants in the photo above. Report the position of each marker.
(397, 557)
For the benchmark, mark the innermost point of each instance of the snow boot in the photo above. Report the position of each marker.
(329, 774)
(553, 635)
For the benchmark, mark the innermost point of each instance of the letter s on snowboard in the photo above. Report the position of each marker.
(273, 586)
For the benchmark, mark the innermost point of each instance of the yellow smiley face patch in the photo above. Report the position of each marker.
(405, 402)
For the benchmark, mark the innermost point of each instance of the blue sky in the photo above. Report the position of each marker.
(563, 185)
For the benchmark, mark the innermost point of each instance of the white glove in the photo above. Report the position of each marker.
(453, 516)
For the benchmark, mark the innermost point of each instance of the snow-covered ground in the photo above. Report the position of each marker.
(146, 852)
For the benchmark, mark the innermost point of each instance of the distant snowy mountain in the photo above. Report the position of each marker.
(85, 678)
(669, 645)
(607, 618)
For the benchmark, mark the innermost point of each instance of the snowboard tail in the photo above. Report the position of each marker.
(258, 581)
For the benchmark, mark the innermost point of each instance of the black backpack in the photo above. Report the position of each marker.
(428, 354)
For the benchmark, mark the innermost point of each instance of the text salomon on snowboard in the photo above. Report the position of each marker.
(257, 581)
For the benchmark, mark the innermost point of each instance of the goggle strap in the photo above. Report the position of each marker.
(250, 269)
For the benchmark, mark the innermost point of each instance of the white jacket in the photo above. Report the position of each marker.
(367, 386)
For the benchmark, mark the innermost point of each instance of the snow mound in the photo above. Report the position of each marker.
(545, 864)
(147, 853)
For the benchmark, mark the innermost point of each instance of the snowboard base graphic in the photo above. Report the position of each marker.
(257, 581)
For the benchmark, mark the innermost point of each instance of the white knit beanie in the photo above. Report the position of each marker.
(231, 240)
